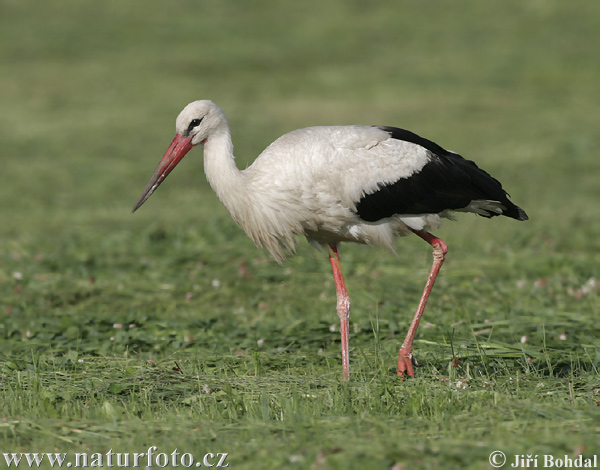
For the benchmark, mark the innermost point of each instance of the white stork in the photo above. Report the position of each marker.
(362, 184)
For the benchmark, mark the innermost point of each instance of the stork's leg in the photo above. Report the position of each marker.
(343, 306)
(405, 357)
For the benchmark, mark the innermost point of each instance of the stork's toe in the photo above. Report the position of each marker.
(406, 360)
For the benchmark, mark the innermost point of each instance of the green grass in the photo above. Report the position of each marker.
(168, 328)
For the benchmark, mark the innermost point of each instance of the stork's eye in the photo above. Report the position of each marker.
(194, 123)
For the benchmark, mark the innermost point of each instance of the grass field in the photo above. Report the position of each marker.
(168, 328)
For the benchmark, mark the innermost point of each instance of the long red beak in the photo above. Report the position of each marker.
(176, 151)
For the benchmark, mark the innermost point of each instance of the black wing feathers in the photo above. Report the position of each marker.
(446, 182)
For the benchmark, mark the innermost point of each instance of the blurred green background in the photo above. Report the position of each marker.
(89, 92)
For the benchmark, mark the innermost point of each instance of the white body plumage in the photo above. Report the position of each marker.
(308, 182)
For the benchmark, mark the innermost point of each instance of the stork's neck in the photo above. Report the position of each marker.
(227, 181)
(245, 199)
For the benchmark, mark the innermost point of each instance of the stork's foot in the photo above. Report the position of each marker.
(406, 360)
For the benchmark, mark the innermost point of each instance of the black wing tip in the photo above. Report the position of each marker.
(521, 214)
(515, 212)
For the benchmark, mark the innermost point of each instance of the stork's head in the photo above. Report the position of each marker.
(194, 125)
(198, 120)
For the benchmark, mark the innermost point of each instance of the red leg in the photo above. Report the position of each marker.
(343, 306)
(405, 356)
